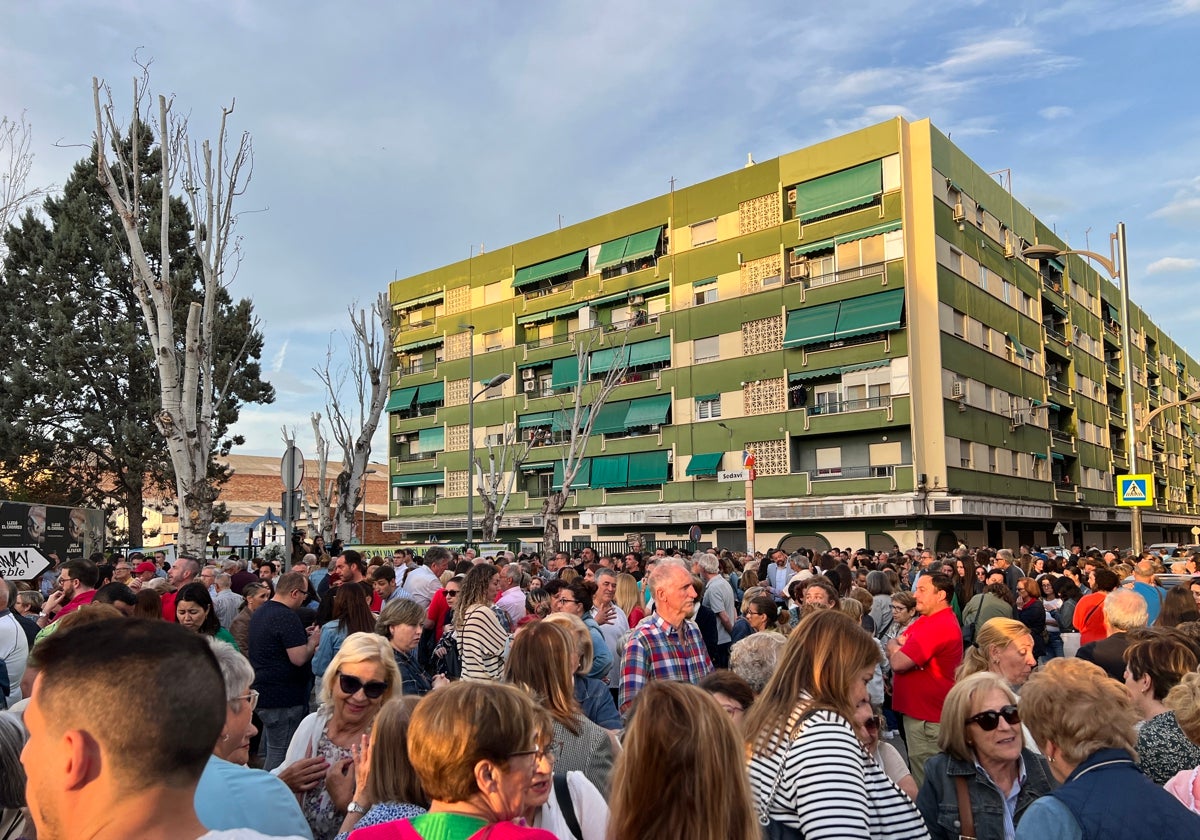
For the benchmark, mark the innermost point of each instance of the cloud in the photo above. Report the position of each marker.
(279, 357)
(1170, 264)
(1055, 112)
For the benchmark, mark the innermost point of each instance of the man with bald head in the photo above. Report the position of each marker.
(1145, 584)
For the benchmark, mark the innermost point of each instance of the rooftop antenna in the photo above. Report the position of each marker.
(749, 160)
(560, 221)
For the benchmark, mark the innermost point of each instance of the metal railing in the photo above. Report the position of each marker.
(414, 456)
(415, 501)
(829, 473)
(832, 277)
(844, 406)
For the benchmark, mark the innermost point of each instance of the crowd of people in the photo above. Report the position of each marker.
(993, 694)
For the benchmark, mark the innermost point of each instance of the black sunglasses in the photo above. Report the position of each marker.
(373, 690)
(990, 719)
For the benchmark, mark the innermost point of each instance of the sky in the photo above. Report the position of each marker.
(392, 138)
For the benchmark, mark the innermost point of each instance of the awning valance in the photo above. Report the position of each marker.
(705, 464)
(550, 268)
(875, 313)
(401, 400)
(418, 479)
(550, 314)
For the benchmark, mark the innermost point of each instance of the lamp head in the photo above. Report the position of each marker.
(498, 379)
(1041, 252)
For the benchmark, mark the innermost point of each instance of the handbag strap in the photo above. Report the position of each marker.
(966, 819)
(562, 793)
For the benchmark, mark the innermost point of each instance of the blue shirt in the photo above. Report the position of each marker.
(1153, 596)
(232, 796)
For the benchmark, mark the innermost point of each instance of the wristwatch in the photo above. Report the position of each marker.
(355, 808)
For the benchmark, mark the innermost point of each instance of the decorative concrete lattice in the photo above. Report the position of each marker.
(764, 335)
(755, 271)
(760, 213)
(458, 391)
(770, 456)
(766, 396)
(458, 346)
(458, 300)
(456, 438)
(456, 484)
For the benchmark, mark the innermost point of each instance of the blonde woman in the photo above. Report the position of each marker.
(593, 695)
(629, 598)
(1002, 646)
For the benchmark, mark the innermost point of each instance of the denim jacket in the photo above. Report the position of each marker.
(938, 800)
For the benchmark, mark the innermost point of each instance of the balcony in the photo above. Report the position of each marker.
(796, 275)
(1062, 438)
(1060, 388)
(843, 406)
(409, 457)
(415, 501)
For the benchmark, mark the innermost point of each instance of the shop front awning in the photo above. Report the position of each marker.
(401, 400)
(839, 191)
(550, 268)
(812, 325)
(706, 463)
(648, 411)
(418, 479)
(870, 314)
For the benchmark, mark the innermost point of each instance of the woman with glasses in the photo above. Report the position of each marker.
(319, 765)
(576, 598)
(1084, 724)
(263, 802)
(969, 785)
(543, 662)
(885, 755)
(482, 640)
(478, 751)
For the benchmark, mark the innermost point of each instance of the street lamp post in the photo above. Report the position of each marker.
(1118, 271)
(362, 539)
(498, 379)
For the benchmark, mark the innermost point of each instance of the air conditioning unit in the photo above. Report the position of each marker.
(791, 196)
(636, 300)
(1160, 458)
(959, 214)
(958, 390)
(529, 386)
(528, 373)
(797, 271)
(1010, 245)
(401, 438)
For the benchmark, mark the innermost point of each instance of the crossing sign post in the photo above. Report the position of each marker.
(1135, 490)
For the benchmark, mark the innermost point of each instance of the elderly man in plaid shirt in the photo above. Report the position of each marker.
(665, 646)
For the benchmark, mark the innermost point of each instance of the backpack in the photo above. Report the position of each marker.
(446, 657)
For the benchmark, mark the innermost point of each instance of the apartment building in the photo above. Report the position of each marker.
(857, 314)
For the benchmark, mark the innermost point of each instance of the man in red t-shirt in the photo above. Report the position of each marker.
(923, 660)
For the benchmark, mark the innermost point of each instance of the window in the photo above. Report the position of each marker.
(706, 349)
(883, 458)
(704, 232)
(545, 387)
(829, 461)
(493, 340)
(1006, 292)
(860, 252)
(705, 291)
(708, 407)
(964, 453)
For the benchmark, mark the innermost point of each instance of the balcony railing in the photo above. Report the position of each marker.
(1054, 333)
(843, 406)
(414, 456)
(414, 501)
(829, 278)
(830, 473)
(1061, 437)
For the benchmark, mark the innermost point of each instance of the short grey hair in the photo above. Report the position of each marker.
(799, 561)
(708, 563)
(514, 573)
(605, 571)
(662, 572)
(755, 657)
(223, 581)
(235, 668)
(1005, 554)
(1125, 609)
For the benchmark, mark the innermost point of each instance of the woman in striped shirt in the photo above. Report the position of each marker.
(482, 640)
(808, 770)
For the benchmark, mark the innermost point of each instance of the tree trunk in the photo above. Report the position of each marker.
(133, 500)
(348, 499)
(491, 522)
(551, 508)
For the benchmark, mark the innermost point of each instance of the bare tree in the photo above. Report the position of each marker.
(577, 421)
(496, 482)
(212, 176)
(353, 421)
(323, 524)
(16, 161)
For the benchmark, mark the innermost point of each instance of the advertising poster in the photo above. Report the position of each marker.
(67, 532)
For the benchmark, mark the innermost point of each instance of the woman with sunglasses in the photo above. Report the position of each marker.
(886, 756)
(263, 802)
(1084, 724)
(969, 784)
(319, 765)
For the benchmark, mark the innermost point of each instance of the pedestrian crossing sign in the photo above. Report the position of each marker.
(1135, 490)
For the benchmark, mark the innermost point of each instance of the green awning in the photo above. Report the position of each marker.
(417, 345)
(564, 419)
(421, 301)
(648, 411)
(583, 476)
(650, 352)
(431, 393)
(1041, 456)
(401, 400)
(548, 269)
(611, 253)
(806, 375)
(707, 281)
(706, 397)
(432, 440)
(1018, 345)
(1114, 314)
(1055, 407)
(1057, 457)
(879, 363)
(610, 471)
(565, 372)
(643, 244)
(648, 468)
(418, 479)
(533, 421)
(886, 227)
(870, 314)
(705, 464)
(602, 361)
(538, 467)
(813, 247)
(840, 191)
(550, 314)
(611, 418)
(812, 325)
